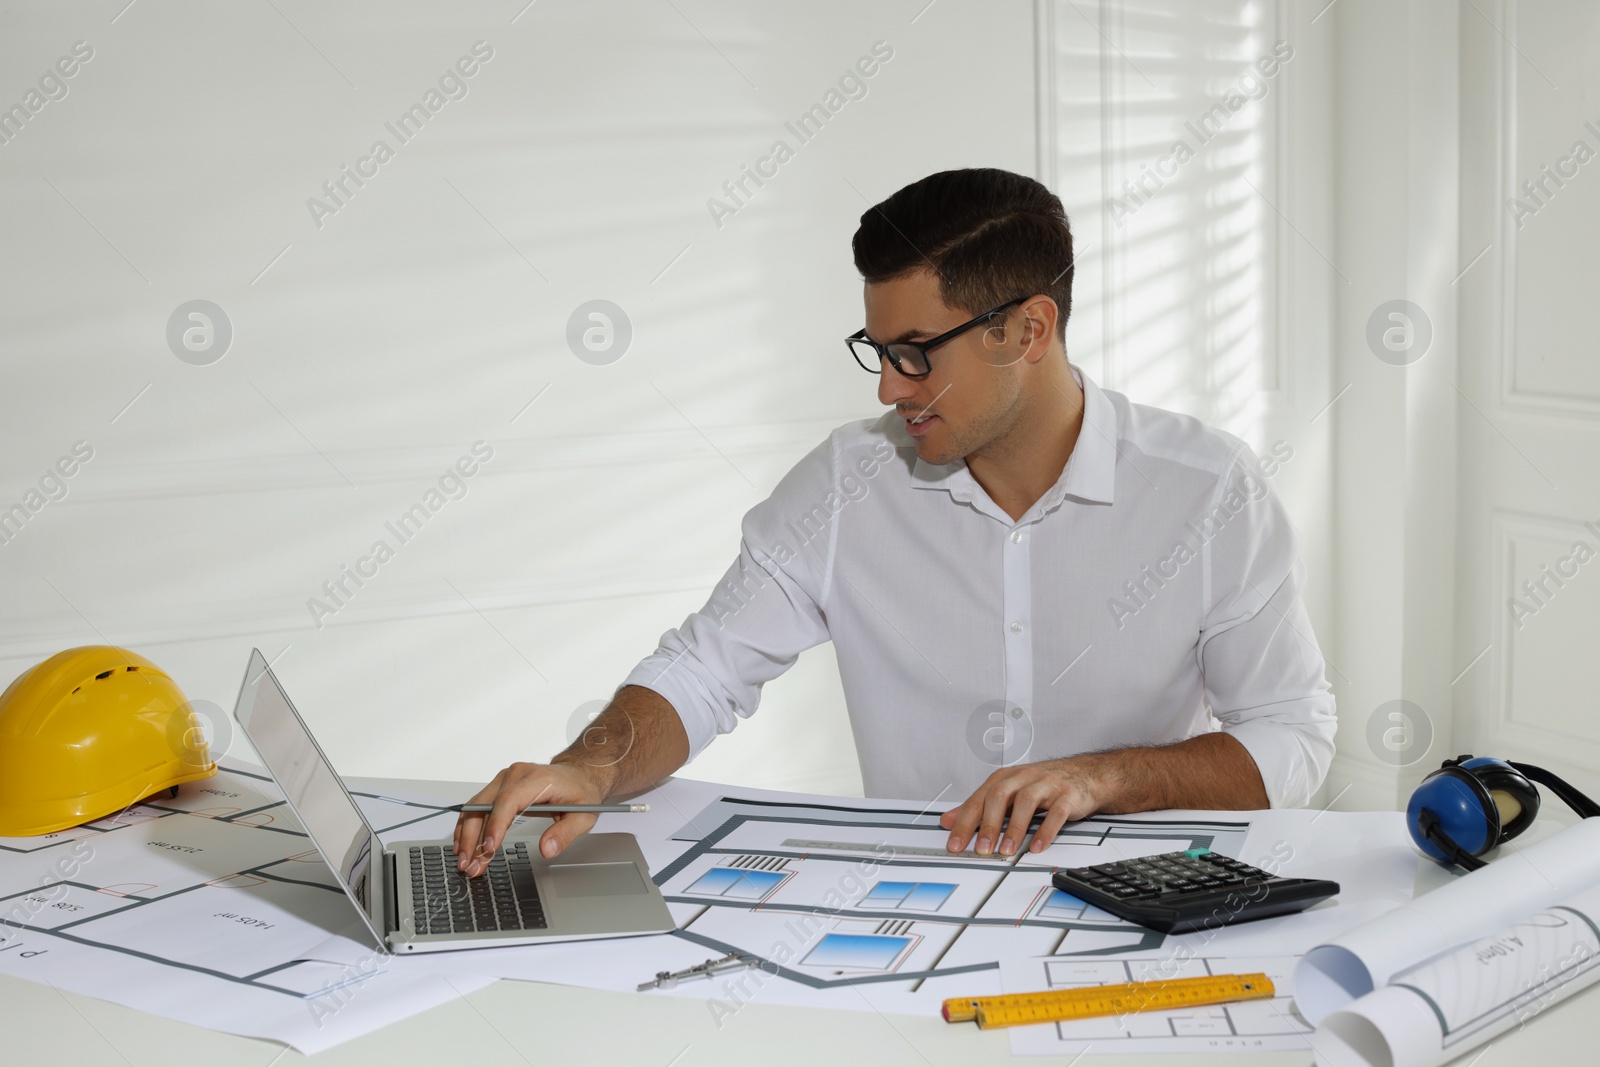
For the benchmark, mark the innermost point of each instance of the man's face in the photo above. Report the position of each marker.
(971, 396)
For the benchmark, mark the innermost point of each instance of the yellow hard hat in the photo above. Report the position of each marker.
(89, 732)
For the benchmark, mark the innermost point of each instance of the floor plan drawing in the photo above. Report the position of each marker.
(210, 906)
(830, 895)
(1250, 1025)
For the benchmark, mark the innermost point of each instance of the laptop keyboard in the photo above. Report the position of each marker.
(445, 901)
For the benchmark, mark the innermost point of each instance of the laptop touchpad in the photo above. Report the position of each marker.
(593, 879)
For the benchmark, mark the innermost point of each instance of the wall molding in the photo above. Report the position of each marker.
(1044, 92)
(1507, 72)
(1510, 735)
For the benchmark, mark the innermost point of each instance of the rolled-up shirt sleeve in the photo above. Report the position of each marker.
(1263, 672)
(766, 610)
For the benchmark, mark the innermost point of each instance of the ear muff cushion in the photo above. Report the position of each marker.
(1498, 776)
(1460, 809)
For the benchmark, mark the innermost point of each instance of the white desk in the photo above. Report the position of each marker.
(517, 1024)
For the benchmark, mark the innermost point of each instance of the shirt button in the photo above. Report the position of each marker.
(1016, 627)
(1016, 537)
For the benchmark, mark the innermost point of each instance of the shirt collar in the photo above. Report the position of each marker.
(1090, 474)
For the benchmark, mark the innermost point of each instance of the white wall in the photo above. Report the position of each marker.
(371, 351)
(1190, 144)
(1529, 493)
(1395, 473)
(1465, 468)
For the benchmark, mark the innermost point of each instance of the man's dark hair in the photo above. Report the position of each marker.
(988, 235)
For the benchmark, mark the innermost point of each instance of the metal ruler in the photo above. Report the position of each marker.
(1020, 1009)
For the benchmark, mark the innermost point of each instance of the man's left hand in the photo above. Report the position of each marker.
(1064, 789)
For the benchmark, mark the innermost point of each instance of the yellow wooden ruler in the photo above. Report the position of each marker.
(1019, 1009)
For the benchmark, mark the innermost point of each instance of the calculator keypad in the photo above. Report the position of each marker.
(1195, 871)
(1191, 890)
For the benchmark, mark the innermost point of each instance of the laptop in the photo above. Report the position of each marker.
(410, 894)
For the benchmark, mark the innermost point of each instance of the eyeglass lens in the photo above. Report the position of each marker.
(907, 359)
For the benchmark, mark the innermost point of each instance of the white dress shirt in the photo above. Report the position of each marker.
(1153, 593)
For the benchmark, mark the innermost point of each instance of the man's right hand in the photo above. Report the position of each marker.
(635, 743)
(479, 834)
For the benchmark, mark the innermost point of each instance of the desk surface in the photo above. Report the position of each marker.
(522, 1023)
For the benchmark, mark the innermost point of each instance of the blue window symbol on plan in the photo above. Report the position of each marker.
(857, 952)
(736, 884)
(909, 896)
(1059, 905)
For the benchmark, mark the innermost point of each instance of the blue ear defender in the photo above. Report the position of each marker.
(1472, 804)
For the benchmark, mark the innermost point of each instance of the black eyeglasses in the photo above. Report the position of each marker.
(910, 358)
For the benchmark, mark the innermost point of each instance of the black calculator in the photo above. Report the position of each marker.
(1177, 892)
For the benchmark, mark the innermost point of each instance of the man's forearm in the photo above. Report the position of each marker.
(634, 743)
(1208, 771)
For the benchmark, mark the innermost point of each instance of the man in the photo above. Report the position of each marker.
(1011, 559)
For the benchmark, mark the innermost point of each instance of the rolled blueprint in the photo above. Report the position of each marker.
(1432, 1013)
(1510, 888)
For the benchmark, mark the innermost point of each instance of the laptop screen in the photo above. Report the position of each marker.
(315, 793)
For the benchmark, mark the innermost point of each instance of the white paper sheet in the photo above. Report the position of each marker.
(995, 909)
(211, 908)
(1243, 1026)
(851, 903)
(1436, 1012)
(1368, 853)
(1514, 886)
